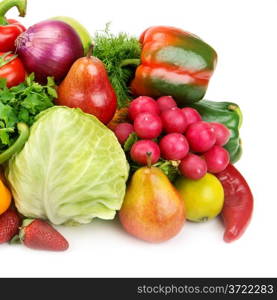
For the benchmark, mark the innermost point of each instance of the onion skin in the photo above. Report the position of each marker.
(49, 48)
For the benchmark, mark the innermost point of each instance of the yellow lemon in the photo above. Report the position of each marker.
(203, 198)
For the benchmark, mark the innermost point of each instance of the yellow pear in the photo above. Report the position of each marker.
(152, 209)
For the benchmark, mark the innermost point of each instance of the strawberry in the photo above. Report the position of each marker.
(9, 224)
(38, 234)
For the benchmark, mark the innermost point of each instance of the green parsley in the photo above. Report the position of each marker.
(22, 103)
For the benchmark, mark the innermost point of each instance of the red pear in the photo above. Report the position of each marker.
(87, 86)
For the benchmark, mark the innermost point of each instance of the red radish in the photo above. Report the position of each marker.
(166, 103)
(140, 149)
(174, 120)
(174, 146)
(217, 159)
(193, 166)
(191, 115)
(201, 136)
(122, 131)
(148, 126)
(38, 234)
(143, 104)
(9, 225)
(222, 133)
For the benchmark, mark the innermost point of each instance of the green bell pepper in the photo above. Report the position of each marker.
(230, 115)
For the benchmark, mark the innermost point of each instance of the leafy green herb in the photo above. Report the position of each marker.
(112, 50)
(169, 167)
(132, 138)
(22, 103)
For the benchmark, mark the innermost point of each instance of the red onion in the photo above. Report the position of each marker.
(49, 48)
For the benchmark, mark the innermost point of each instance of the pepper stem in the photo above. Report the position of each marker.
(24, 132)
(130, 61)
(148, 159)
(6, 5)
(236, 108)
(232, 107)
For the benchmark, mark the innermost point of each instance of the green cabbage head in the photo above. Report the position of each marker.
(71, 170)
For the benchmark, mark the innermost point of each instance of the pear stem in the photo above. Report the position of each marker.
(90, 51)
(148, 159)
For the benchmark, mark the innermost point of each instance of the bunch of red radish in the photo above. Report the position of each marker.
(175, 134)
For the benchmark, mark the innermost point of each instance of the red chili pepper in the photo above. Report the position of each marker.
(238, 203)
(10, 29)
(12, 69)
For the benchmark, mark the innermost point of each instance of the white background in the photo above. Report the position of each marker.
(244, 35)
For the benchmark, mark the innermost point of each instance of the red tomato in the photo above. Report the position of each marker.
(11, 68)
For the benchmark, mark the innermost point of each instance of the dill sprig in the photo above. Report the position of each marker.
(112, 50)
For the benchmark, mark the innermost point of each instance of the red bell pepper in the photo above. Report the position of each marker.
(173, 62)
(12, 69)
(10, 29)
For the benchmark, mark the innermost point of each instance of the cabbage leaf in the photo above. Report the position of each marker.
(71, 170)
